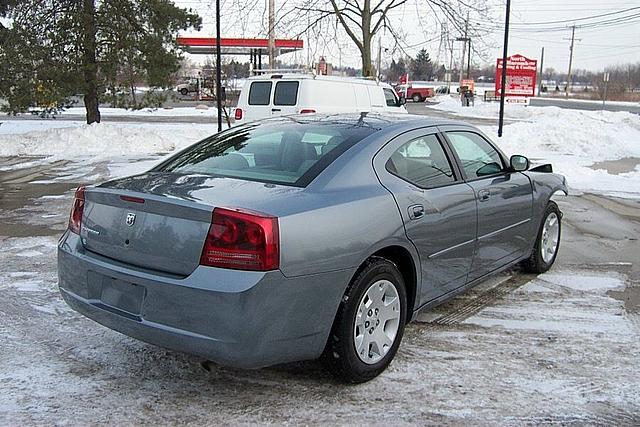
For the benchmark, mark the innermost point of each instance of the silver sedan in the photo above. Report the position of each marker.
(305, 237)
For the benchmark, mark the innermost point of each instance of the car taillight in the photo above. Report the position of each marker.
(307, 111)
(242, 240)
(75, 218)
(238, 114)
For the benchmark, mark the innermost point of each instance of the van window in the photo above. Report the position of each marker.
(259, 93)
(286, 93)
(390, 97)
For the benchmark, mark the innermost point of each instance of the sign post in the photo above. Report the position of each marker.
(605, 79)
(503, 76)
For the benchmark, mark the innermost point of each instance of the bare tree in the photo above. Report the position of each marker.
(363, 19)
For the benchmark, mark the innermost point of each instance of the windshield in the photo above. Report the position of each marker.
(288, 153)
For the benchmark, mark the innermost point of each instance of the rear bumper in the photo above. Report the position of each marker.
(235, 318)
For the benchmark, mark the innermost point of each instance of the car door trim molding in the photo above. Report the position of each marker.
(444, 251)
(508, 227)
(493, 233)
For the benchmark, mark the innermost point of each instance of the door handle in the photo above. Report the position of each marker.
(275, 109)
(416, 211)
(484, 195)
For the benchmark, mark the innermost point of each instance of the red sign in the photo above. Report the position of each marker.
(470, 84)
(521, 76)
(404, 79)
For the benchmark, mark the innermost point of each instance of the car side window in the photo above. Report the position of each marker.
(478, 157)
(286, 93)
(390, 97)
(259, 93)
(422, 162)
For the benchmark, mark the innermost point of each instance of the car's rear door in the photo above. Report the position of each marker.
(438, 209)
(505, 200)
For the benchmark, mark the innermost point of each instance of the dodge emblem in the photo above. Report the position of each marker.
(131, 219)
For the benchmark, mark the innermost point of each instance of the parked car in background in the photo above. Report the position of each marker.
(188, 87)
(416, 92)
(305, 236)
(272, 95)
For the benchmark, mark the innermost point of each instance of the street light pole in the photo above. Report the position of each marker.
(218, 68)
(503, 77)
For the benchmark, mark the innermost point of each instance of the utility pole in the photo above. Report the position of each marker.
(465, 39)
(464, 45)
(272, 34)
(450, 43)
(218, 68)
(573, 35)
(540, 74)
(469, 59)
(379, 60)
(503, 77)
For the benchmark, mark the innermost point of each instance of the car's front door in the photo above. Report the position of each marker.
(438, 209)
(504, 198)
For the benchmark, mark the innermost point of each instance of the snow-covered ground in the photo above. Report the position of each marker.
(560, 348)
(572, 140)
(164, 112)
(120, 145)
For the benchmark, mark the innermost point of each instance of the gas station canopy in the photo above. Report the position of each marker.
(233, 46)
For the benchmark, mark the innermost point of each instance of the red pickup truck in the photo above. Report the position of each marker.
(417, 93)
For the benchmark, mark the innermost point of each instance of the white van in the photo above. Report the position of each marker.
(273, 95)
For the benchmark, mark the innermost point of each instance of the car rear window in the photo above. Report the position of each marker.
(289, 153)
(286, 93)
(259, 93)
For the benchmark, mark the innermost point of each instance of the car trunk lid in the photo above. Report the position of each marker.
(145, 230)
(170, 214)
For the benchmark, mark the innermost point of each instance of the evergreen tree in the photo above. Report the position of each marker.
(54, 49)
(396, 70)
(421, 66)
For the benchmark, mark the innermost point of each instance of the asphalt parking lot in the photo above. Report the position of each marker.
(560, 348)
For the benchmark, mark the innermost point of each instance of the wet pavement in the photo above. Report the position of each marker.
(616, 167)
(560, 348)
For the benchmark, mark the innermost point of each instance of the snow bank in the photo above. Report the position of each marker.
(572, 140)
(100, 140)
(164, 112)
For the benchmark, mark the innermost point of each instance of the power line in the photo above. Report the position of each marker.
(564, 21)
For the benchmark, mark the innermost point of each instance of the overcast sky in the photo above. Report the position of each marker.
(536, 23)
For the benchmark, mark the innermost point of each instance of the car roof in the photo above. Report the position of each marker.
(379, 121)
(310, 76)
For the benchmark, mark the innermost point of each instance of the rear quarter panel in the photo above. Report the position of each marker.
(343, 217)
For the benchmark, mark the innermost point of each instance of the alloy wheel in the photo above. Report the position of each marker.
(377, 321)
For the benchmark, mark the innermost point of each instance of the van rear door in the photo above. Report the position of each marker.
(259, 100)
(378, 102)
(285, 98)
(363, 103)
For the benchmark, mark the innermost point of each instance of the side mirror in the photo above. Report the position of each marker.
(519, 163)
(401, 101)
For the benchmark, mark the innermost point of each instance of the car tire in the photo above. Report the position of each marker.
(545, 250)
(184, 91)
(378, 277)
(416, 98)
